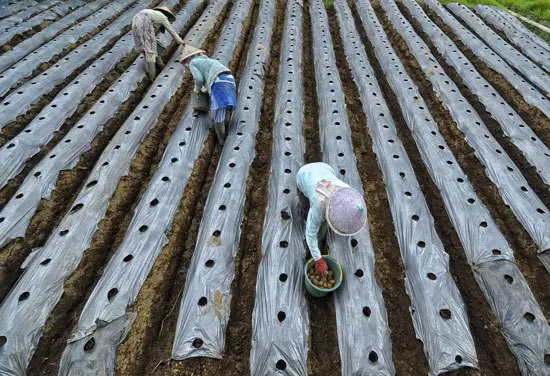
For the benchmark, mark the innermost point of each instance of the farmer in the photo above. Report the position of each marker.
(144, 26)
(213, 78)
(328, 200)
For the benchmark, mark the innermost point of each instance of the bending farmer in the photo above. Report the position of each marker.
(330, 201)
(214, 78)
(144, 26)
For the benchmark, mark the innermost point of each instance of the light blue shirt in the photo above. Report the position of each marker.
(307, 179)
(205, 70)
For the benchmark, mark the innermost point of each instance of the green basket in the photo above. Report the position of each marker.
(336, 274)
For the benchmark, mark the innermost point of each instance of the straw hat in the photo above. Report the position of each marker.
(346, 212)
(189, 51)
(167, 12)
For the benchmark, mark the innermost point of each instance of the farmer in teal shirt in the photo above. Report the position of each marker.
(329, 201)
(215, 79)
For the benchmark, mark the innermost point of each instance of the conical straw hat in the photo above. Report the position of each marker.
(346, 212)
(167, 12)
(189, 51)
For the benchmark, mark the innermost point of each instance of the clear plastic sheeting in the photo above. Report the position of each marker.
(41, 180)
(28, 45)
(20, 101)
(520, 27)
(448, 344)
(362, 324)
(14, 7)
(528, 47)
(524, 65)
(280, 342)
(146, 235)
(480, 49)
(51, 14)
(499, 167)
(10, 77)
(535, 151)
(40, 130)
(485, 246)
(206, 302)
(25, 310)
(25, 14)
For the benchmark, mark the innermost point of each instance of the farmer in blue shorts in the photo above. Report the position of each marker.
(214, 79)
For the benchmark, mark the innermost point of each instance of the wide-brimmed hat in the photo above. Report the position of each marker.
(346, 212)
(189, 51)
(167, 12)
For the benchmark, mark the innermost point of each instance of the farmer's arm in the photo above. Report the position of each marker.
(313, 224)
(168, 26)
(197, 76)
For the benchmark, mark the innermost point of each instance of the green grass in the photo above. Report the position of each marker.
(328, 4)
(536, 10)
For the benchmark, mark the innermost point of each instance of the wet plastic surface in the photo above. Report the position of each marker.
(516, 59)
(448, 343)
(363, 332)
(10, 77)
(499, 167)
(485, 247)
(535, 151)
(527, 47)
(24, 312)
(480, 49)
(48, 33)
(205, 306)
(282, 344)
(61, 9)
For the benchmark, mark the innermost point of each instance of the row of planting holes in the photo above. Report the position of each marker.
(445, 313)
(438, 68)
(198, 342)
(482, 47)
(527, 41)
(113, 292)
(80, 126)
(281, 364)
(512, 49)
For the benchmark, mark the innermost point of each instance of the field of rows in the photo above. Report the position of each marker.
(131, 243)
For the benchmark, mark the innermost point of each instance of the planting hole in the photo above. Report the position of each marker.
(415, 218)
(281, 365)
(366, 311)
(91, 184)
(165, 178)
(496, 252)
(46, 262)
(359, 273)
(143, 228)
(112, 293)
(283, 277)
(88, 346)
(76, 208)
(37, 174)
(285, 215)
(197, 343)
(421, 244)
(508, 278)
(483, 224)
(154, 202)
(3, 340)
(216, 233)
(203, 301)
(24, 296)
(546, 356)
(63, 233)
(222, 207)
(283, 244)
(209, 263)
(431, 276)
(281, 316)
(227, 185)
(458, 359)
(529, 317)
(128, 258)
(445, 313)
(373, 356)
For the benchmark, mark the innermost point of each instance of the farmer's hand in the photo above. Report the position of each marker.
(321, 266)
(204, 91)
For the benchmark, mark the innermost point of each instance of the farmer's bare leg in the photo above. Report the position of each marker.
(160, 63)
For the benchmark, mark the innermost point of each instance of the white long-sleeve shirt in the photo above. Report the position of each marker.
(159, 19)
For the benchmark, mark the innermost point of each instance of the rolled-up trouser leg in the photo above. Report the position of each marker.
(151, 70)
(220, 132)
